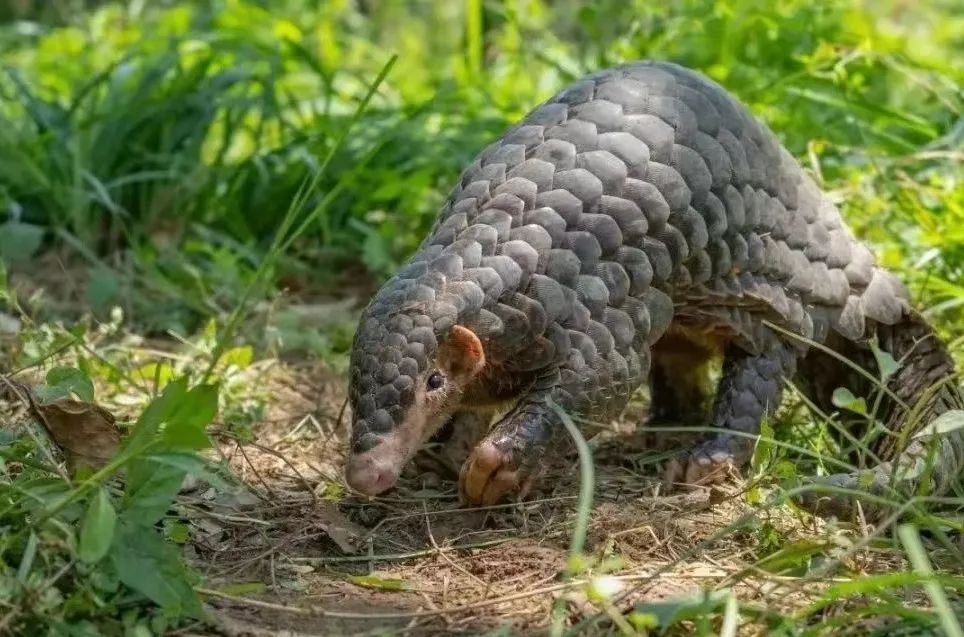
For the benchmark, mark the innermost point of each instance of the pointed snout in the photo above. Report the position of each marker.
(371, 472)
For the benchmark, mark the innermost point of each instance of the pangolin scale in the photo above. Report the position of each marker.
(640, 214)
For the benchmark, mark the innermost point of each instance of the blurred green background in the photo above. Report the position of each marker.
(155, 146)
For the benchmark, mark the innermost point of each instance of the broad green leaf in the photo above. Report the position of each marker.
(75, 628)
(153, 568)
(644, 621)
(240, 357)
(886, 365)
(383, 583)
(155, 375)
(186, 426)
(944, 424)
(19, 241)
(61, 382)
(46, 394)
(844, 398)
(97, 528)
(784, 469)
(175, 531)
(151, 488)
(192, 465)
(866, 478)
(105, 579)
(179, 415)
(175, 420)
(158, 412)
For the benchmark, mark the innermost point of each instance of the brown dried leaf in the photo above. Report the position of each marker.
(342, 531)
(85, 432)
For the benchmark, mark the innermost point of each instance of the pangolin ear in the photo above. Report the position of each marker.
(461, 354)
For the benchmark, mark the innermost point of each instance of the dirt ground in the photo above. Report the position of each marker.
(297, 555)
(292, 552)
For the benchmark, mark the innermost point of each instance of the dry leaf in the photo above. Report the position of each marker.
(86, 433)
(342, 531)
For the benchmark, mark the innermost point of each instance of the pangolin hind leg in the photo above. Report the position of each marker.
(750, 389)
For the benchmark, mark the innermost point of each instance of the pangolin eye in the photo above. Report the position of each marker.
(436, 380)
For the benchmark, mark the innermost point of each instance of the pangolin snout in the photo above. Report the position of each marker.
(371, 472)
(376, 461)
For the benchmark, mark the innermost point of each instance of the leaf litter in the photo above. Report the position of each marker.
(86, 433)
(288, 548)
(414, 562)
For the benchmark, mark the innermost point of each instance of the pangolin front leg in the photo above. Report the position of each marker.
(750, 389)
(448, 449)
(508, 459)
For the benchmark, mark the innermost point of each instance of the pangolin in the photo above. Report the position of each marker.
(634, 228)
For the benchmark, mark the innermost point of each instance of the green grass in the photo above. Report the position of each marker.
(168, 169)
(126, 147)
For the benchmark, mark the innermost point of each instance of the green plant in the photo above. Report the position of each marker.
(141, 151)
(81, 549)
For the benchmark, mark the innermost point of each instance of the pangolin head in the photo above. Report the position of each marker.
(410, 364)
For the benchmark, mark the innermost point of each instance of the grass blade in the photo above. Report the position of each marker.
(587, 484)
(910, 538)
(282, 237)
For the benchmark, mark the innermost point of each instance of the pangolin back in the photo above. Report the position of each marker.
(636, 197)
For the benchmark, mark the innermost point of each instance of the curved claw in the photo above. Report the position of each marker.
(490, 474)
(709, 463)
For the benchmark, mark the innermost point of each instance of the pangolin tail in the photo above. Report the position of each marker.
(923, 387)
